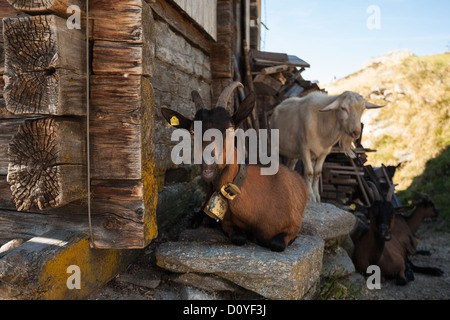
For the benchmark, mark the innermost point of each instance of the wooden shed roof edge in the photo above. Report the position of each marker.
(265, 58)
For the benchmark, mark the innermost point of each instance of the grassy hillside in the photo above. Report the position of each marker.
(413, 128)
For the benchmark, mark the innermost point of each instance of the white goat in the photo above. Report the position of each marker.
(310, 126)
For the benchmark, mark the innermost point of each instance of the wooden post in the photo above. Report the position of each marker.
(124, 186)
(254, 115)
(44, 63)
(46, 164)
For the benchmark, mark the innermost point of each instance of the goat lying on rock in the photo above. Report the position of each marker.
(267, 207)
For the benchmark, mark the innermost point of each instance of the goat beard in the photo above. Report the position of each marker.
(345, 143)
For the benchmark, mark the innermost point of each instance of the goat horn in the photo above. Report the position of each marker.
(198, 101)
(370, 105)
(390, 193)
(226, 94)
(373, 188)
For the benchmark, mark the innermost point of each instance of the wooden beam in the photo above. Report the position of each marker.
(274, 69)
(8, 128)
(120, 215)
(46, 164)
(57, 7)
(44, 66)
(128, 25)
(118, 57)
(6, 199)
(164, 11)
(116, 114)
(124, 186)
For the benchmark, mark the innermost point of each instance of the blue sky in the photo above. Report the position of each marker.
(334, 38)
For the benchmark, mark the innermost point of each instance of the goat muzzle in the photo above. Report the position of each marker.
(385, 233)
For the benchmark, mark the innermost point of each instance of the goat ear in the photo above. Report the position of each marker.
(403, 208)
(332, 106)
(244, 110)
(372, 105)
(198, 101)
(176, 119)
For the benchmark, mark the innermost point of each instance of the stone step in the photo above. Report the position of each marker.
(207, 253)
(328, 222)
(286, 275)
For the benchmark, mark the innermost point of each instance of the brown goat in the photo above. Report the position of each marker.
(268, 207)
(369, 242)
(394, 260)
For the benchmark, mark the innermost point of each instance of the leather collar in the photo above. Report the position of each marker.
(231, 190)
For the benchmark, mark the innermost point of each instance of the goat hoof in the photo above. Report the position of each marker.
(277, 243)
(436, 272)
(423, 253)
(400, 281)
(196, 220)
(238, 237)
(409, 274)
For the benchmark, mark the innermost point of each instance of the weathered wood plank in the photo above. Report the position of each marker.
(46, 164)
(116, 115)
(124, 186)
(6, 200)
(129, 23)
(122, 146)
(119, 214)
(171, 15)
(203, 12)
(57, 7)
(274, 69)
(115, 150)
(8, 128)
(266, 85)
(44, 66)
(125, 47)
(118, 57)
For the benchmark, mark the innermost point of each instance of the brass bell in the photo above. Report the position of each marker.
(217, 206)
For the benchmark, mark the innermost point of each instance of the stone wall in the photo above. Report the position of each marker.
(179, 68)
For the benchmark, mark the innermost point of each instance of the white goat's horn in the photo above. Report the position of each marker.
(370, 105)
(226, 94)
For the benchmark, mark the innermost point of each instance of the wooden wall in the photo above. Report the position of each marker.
(42, 118)
(43, 123)
(202, 12)
(144, 54)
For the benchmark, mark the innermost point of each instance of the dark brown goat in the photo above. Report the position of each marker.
(394, 260)
(269, 207)
(369, 242)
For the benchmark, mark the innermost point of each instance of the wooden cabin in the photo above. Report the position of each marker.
(100, 167)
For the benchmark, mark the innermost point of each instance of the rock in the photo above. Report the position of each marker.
(145, 278)
(11, 245)
(327, 221)
(338, 263)
(285, 275)
(190, 293)
(205, 282)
